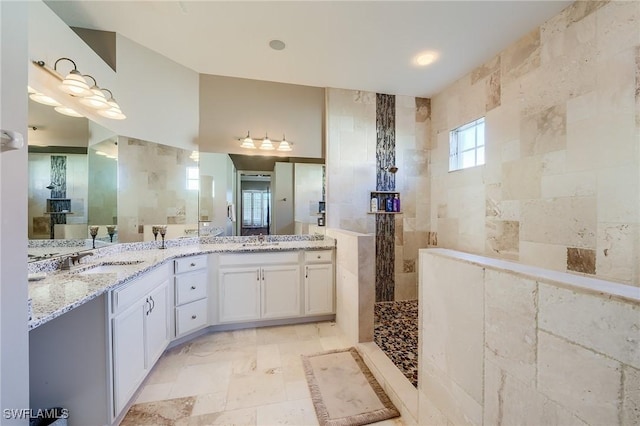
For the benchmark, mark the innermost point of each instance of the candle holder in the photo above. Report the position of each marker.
(155, 229)
(163, 230)
(111, 229)
(93, 231)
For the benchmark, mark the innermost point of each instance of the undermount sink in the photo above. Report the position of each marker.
(259, 244)
(107, 267)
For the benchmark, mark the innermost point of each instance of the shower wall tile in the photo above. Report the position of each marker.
(152, 179)
(561, 145)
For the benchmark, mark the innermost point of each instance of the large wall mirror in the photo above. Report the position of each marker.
(82, 174)
(254, 194)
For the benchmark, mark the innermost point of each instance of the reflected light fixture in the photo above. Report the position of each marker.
(114, 110)
(97, 100)
(266, 144)
(284, 145)
(44, 99)
(247, 142)
(74, 83)
(68, 111)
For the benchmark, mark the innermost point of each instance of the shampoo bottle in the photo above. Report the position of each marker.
(389, 204)
(396, 203)
(374, 204)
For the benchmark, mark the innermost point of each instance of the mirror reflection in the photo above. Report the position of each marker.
(251, 195)
(59, 202)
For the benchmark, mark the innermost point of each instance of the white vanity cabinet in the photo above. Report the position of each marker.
(191, 293)
(139, 330)
(254, 286)
(318, 282)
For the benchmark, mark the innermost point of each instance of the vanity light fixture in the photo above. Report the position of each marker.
(266, 144)
(74, 83)
(44, 99)
(114, 110)
(97, 99)
(247, 142)
(284, 145)
(68, 111)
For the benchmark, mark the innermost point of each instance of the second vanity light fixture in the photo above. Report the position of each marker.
(75, 84)
(266, 144)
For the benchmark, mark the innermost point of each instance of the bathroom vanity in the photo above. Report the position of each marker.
(97, 331)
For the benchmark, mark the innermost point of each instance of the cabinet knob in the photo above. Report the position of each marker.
(194, 316)
(319, 256)
(192, 264)
(193, 287)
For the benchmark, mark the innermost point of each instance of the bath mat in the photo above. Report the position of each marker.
(343, 390)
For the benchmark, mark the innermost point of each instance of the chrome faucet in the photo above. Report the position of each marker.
(261, 238)
(68, 261)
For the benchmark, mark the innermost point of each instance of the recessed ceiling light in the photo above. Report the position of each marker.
(425, 58)
(277, 44)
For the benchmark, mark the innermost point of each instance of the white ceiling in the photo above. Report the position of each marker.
(359, 45)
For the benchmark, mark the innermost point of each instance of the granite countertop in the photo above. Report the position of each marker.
(57, 292)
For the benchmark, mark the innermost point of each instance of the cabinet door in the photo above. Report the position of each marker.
(239, 294)
(318, 289)
(280, 291)
(157, 324)
(128, 353)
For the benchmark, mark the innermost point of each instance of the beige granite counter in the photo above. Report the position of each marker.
(60, 291)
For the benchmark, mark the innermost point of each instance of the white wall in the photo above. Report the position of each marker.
(158, 96)
(229, 107)
(14, 345)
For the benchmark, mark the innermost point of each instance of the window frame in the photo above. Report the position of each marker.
(455, 154)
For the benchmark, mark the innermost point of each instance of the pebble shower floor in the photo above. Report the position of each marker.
(396, 333)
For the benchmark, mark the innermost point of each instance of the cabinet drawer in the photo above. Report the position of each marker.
(191, 316)
(131, 292)
(318, 256)
(190, 264)
(190, 287)
(258, 258)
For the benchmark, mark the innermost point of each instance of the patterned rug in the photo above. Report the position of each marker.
(396, 333)
(343, 390)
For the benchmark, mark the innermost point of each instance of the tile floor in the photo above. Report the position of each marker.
(245, 377)
(396, 333)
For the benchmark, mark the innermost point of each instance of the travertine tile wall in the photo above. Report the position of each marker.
(40, 176)
(523, 345)
(355, 283)
(351, 174)
(561, 184)
(152, 187)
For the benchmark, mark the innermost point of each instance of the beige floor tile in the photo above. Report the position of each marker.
(327, 328)
(202, 379)
(154, 392)
(297, 389)
(205, 353)
(210, 403)
(307, 331)
(243, 417)
(268, 356)
(334, 342)
(258, 388)
(244, 364)
(301, 347)
(299, 413)
(280, 334)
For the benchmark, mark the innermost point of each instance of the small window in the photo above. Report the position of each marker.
(466, 145)
(193, 178)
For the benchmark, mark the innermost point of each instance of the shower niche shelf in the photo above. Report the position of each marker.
(382, 197)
